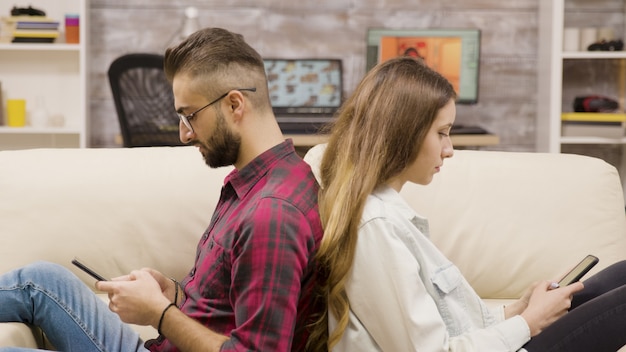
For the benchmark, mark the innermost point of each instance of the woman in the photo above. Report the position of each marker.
(389, 288)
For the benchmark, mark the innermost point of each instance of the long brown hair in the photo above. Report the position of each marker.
(377, 134)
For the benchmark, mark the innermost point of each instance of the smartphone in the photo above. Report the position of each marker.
(579, 270)
(88, 270)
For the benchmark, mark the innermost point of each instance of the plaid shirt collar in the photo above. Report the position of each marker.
(243, 180)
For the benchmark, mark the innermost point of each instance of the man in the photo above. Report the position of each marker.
(253, 284)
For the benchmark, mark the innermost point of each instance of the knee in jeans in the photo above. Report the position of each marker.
(42, 269)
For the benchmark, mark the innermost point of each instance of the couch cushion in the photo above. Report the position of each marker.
(116, 209)
(508, 219)
(15, 334)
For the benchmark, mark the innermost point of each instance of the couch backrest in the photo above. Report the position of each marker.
(117, 209)
(508, 219)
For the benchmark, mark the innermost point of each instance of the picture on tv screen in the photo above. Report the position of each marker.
(454, 53)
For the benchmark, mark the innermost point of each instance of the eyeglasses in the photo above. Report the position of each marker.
(185, 118)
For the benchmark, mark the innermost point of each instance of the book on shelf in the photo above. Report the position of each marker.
(36, 25)
(29, 29)
(593, 129)
(28, 33)
(593, 117)
(593, 124)
(32, 40)
(15, 19)
(34, 36)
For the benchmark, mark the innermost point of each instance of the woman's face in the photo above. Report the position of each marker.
(436, 147)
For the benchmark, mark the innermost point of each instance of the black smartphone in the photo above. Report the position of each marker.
(88, 270)
(579, 270)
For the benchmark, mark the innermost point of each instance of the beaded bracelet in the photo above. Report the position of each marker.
(163, 316)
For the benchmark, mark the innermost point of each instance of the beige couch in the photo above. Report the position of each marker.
(507, 219)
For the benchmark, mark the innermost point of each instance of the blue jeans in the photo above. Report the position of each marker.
(72, 317)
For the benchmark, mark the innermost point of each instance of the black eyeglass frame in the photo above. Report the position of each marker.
(185, 118)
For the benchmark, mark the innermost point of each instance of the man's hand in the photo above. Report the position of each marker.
(138, 298)
(141, 297)
(167, 285)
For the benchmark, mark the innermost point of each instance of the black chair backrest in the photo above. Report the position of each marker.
(144, 101)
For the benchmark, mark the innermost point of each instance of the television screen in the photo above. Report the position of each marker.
(454, 53)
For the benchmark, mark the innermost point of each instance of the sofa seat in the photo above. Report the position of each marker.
(506, 219)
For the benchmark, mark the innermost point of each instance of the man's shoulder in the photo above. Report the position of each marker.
(291, 179)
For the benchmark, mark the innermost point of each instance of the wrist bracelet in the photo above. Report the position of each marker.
(175, 291)
(163, 316)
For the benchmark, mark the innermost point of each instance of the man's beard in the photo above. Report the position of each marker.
(222, 147)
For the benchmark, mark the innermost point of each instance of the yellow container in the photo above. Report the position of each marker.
(16, 112)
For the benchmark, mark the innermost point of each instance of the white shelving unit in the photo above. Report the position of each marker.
(54, 73)
(550, 100)
(550, 79)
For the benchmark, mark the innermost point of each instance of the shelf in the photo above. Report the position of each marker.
(554, 66)
(564, 75)
(39, 47)
(592, 140)
(594, 55)
(38, 130)
(52, 74)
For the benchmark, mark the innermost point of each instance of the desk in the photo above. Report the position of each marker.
(460, 140)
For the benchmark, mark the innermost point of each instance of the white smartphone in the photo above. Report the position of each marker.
(579, 270)
(88, 270)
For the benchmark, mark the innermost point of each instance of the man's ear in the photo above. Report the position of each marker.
(236, 105)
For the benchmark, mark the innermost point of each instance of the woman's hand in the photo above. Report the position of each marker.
(546, 305)
(521, 304)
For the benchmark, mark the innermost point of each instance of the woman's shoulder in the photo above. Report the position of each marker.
(386, 204)
(375, 207)
(387, 197)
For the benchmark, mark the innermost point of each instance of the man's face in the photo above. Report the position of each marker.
(211, 132)
(221, 147)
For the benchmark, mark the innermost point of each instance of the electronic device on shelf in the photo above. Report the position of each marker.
(305, 93)
(595, 103)
(454, 53)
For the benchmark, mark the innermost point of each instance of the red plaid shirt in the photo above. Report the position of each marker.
(254, 273)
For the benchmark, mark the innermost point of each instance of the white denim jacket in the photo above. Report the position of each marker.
(405, 295)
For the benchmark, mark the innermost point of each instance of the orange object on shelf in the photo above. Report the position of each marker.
(72, 29)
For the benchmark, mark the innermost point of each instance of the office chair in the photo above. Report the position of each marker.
(144, 101)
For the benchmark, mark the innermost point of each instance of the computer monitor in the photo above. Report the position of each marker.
(304, 87)
(454, 53)
(305, 93)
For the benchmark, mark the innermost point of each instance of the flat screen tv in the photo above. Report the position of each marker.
(454, 53)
